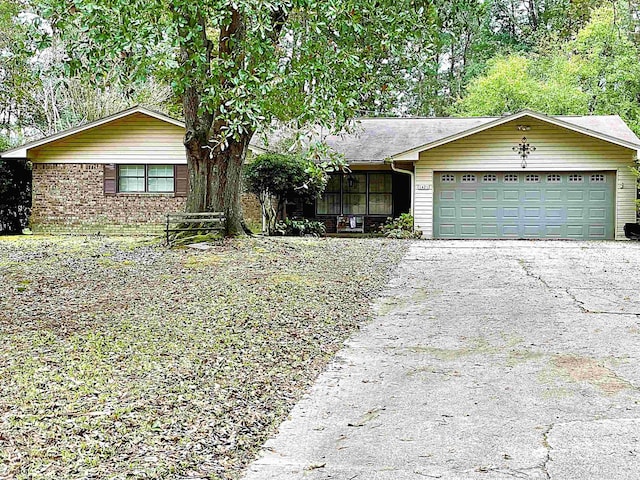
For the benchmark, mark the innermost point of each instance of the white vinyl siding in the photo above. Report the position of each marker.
(557, 149)
(135, 139)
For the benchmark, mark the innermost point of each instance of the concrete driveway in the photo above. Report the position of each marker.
(486, 360)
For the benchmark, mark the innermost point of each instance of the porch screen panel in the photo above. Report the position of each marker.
(380, 194)
(354, 198)
(131, 178)
(329, 204)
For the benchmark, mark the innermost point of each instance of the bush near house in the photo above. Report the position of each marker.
(300, 227)
(400, 227)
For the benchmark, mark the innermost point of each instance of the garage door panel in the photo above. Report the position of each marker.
(468, 230)
(553, 195)
(554, 231)
(514, 205)
(510, 212)
(553, 213)
(531, 212)
(532, 195)
(445, 195)
(575, 213)
(575, 195)
(468, 195)
(490, 213)
(532, 230)
(575, 231)
(489, 194)
(597, 231)
(489, 231)
(447, 230)
(511, 195)
(468, 212)
(510, 230)
(597, 214)
(447, 212)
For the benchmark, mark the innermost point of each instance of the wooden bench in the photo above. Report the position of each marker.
(202, 221)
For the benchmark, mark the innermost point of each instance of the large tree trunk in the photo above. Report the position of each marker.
(215, 180)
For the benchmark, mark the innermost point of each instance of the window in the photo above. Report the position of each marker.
(329, 204)
(131, 178)
(357, 194)
(532, 178)
(553, 178)
(489, 178)
(160, 178)
(510, 178)
(354, 194)
(575, 178)
(380, 197)
(448, 178)
(597, 178)
(146, 178)
(468, 178)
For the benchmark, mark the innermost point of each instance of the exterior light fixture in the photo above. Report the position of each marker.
(523, 150)
(351, 181)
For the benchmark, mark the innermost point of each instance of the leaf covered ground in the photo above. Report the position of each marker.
(120, 359)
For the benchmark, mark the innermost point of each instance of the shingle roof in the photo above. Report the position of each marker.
(374, 139)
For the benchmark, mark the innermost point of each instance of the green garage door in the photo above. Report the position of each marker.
(575, 205)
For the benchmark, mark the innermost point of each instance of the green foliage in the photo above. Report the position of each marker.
(249, 62)
(400, 227)
(299, 227)
(15, 194)
(284, 176)
(596, 73)
(276, 178)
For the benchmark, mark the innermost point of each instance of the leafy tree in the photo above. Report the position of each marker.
(239, 65)
(276, 178)
(595, 73)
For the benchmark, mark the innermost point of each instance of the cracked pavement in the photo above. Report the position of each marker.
(485, 360)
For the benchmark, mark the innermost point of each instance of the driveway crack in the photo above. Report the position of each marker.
(549, 448)
(525, 267)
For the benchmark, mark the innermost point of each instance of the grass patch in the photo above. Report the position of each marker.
(124, 359)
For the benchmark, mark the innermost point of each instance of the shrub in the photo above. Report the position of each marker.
(298, 228)
(400, 227)
(275, 178)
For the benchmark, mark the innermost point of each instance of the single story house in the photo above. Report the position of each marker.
(525, 175)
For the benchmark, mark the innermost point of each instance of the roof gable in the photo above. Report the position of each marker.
(22, 151)
(618, 132)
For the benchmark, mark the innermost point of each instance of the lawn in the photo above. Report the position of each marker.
(122, 359)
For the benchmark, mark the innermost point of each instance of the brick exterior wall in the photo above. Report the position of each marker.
(69, 199)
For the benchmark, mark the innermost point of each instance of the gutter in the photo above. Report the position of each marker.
(406, 172)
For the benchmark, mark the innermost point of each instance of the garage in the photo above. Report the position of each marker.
(559, 205)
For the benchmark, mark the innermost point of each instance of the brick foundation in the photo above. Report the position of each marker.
(69, 199)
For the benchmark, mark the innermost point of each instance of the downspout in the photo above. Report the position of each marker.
(406, 172)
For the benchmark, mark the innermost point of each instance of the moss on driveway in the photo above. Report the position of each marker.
(120, 359)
